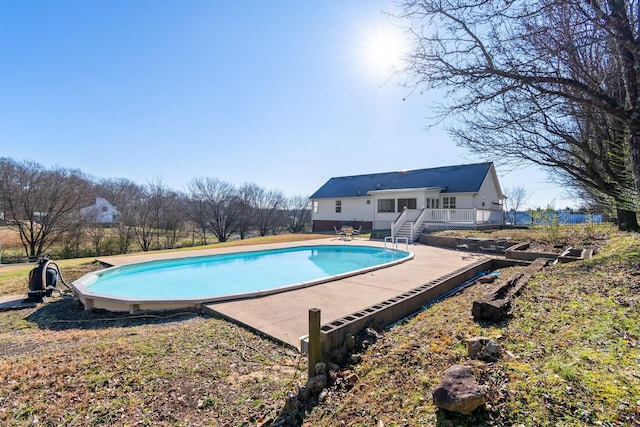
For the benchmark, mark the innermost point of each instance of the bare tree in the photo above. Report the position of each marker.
(516, 196)
(527, 78)
(268, 205)
(158, 194)
(144, 218)
(247, 195)
(172, 217)
(122, 193)
(220, 204)
(93, 228)
(71, 241)
(298, 213)
(41, 203)
(197, 212)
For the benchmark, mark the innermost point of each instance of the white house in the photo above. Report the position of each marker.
(101, 212)
(462, 196)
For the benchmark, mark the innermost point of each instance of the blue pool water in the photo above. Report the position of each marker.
(237, 273)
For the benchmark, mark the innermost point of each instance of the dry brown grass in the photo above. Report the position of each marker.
(571, 352)
(10, 238)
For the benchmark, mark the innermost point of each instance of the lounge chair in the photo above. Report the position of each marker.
(357, 231)
(342, 232)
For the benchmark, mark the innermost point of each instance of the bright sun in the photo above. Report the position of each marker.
(382, 50)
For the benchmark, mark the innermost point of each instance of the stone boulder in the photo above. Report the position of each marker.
(483, 348)
(459, 391)
(313, 388)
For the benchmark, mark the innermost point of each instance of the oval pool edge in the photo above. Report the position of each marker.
(92, 300)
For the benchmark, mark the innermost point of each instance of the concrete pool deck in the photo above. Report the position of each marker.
(284, 316)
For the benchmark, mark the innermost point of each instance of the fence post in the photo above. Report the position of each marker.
(315, 350)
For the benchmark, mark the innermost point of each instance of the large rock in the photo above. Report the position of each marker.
(313, 388)
(316, 384)
(458, 391)
(483, 348)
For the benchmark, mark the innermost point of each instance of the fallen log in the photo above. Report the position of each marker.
(494, 305)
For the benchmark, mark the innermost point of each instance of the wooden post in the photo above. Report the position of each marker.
(315, 350)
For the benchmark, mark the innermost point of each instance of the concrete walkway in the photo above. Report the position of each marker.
(284, 316)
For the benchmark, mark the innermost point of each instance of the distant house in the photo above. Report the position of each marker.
(407, 202)
(101, 212)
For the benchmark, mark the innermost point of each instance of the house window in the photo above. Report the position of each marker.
(449, 202)
(433, 203)
(338, 206)
(104, 209)
(409, 203)
(386, 205)
(315, 206)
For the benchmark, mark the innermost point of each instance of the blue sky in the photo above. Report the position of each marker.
(281, 94)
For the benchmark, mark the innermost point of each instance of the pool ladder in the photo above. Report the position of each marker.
(394, 242)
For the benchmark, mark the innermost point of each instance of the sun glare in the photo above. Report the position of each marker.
(382, 51)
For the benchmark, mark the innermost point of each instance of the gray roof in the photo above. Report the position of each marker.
(453, 179)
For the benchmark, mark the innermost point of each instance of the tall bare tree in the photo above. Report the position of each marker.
(247, 194)
(144, 216)
(268, 205)
(173, 217)
(220, 203)
(41, 203)
(524, 75)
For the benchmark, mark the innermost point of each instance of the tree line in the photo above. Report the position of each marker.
(554, 83)
(45, 204)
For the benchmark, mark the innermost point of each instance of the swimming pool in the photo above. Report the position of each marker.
(187, 282)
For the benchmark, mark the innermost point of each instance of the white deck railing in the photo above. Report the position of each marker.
(470, 216)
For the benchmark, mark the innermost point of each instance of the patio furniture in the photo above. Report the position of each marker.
(348, 232)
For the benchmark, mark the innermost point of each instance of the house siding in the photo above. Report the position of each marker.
(353, 209)
(489, 193)
(473, 186)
